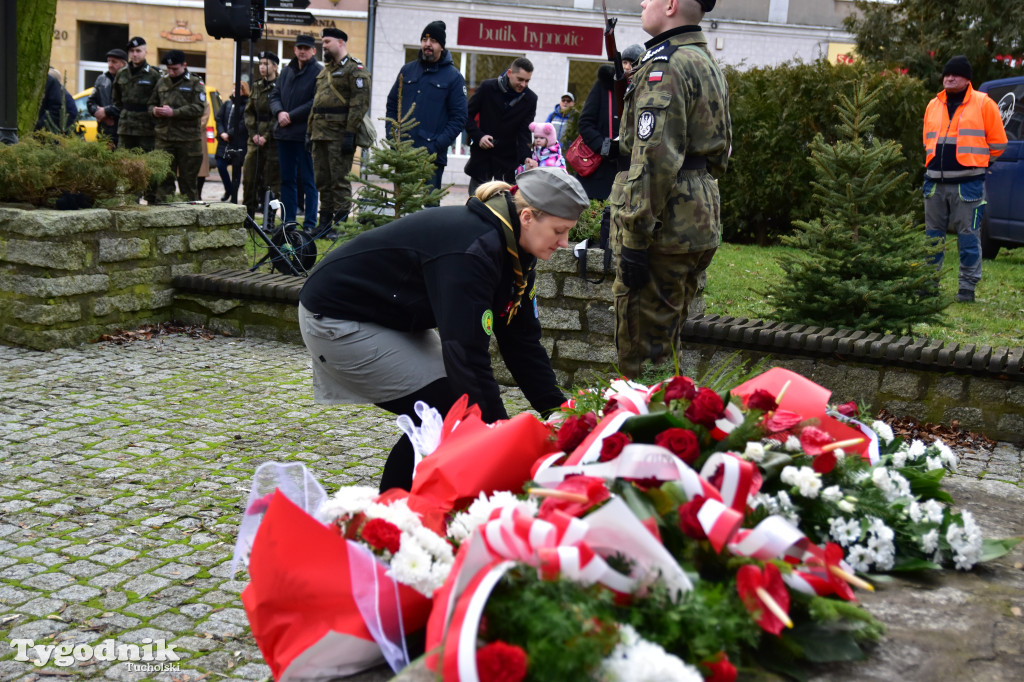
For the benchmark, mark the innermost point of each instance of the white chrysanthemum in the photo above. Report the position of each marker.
(478, 513)
(861, 475)
(934, 463)
(883, 430)
(965, 541)
(412, 566)
(947, 455)
(914, 511)
(347, 501)
(793, 444)
(845, 506)
(891, 483)
(916, 449)
(859, 558)
(933, 511)
(899, 458)
(398, 513)
(833, 493)
(880, 544)
(754, 452)
(433, 543)
(635, 659)
(930, 541)
(844, 531)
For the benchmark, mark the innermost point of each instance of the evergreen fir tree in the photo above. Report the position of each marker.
(398, 181)
(858, 266)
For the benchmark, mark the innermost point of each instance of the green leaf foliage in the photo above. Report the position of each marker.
(995, 548)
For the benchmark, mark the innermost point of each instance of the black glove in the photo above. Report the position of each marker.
(348, 143)
(634, 269)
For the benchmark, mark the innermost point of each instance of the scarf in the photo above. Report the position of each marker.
(501, 205)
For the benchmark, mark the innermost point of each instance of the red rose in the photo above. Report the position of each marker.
(721, 669)
(501, 662)
(680, 388)
(762, 400)
(848, 409)
(612, 446)
(574, 430)
(381, 535)
(706, 407)
(688, 522)
(682, 442)
(590, 487)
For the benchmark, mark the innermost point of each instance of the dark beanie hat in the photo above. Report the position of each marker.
(435, 30)
(335, 33)
(958, 66)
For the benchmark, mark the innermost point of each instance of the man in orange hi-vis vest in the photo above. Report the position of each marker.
(963, 133)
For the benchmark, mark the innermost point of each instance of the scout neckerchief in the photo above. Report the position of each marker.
(512, 247)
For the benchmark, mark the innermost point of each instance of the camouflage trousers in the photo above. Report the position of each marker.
(648, 321)
(330, 171)
(260, 171)
(187, 159)
(146, 143)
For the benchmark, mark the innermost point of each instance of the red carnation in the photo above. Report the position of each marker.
(688, 522)
(706, 407)
(612, 446)
(501, 662)
(762, 400)
(848, 409)
(680, 388)
(721, 669)
(381, 535)
(682, 442)
(574, 430)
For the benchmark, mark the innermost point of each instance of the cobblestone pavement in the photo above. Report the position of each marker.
(124, 469)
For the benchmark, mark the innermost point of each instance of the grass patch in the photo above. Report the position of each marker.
(739, 276)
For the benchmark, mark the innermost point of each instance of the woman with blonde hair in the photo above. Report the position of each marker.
(405, 312)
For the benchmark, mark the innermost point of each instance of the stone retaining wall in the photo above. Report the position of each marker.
(67, 277)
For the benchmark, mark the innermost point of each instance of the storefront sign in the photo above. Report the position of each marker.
(285, 32)
(522, 36)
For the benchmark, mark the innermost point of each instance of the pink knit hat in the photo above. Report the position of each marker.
(545, 130)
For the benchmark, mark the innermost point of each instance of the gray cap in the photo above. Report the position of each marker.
(632, 53)
(553, 191)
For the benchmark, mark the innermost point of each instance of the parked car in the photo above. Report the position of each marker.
(1003, 223)
(87, 122)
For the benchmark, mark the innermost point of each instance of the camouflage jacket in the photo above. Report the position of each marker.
(130, 93)
(341, 100)
(676, 112)
(187, 97)
(259, 119)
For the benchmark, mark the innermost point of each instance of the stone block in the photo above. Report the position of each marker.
(126, 248)
(216, 239)
(547, 285)
(280, 311)
(66, 311)
(1010, 425)
(51, 223)
(547, 343)
(134, 219)
(54, 287)
(236, 262)
(986, 391)
(184, 269)
(601, 319)
(569, 349)
(71, 255)
(951, 387)
(903, 383)
(574, 287)
(129, 303)
(904, 408)
(804, 366)
(221, 214)
(561, 260)
(128, 278)
(217, 306)
(1015, 395)
(970, 418)
(560, 318)
(172, 243)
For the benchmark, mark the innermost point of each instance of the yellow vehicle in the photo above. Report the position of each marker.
(86, 124)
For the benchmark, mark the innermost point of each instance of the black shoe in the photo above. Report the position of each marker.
(226, 196)
(965, 296)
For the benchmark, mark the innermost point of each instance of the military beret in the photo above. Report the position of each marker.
(272, 56)
(553, 191)
(137, 41)
(335, 33)
(118, 53)
(173, 57)
(305, 40)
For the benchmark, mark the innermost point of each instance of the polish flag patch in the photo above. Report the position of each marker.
(655, 77)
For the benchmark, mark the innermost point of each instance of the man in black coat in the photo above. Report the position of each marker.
(101, 102)
(500, 113)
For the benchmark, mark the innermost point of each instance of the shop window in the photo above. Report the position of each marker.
(94, 41)
(582, 76)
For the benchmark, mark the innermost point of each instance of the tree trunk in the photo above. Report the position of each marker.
(36, 19)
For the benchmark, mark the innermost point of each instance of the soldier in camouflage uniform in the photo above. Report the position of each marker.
(130, 92)
(666, 225)
(260, 169)
(178, 103)
(342, 99)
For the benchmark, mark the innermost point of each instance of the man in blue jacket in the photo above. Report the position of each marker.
(290, 103)
(438, 90)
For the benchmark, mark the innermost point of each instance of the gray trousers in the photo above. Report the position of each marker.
(957, 208)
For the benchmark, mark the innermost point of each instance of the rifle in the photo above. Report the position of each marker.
(616, 58)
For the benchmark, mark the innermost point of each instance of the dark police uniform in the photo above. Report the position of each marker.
(181, 134)
(342, 99)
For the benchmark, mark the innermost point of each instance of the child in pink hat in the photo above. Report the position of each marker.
(546, 150)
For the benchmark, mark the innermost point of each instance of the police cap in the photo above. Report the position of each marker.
(304, 41)
(553, 191)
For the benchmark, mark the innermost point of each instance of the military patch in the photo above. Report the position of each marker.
(359, 82)
(645, 125)
(487, 322)
(533, 291)
(655, 77)
(202, 96)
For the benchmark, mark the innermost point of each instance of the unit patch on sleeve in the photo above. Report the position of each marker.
(645, 125)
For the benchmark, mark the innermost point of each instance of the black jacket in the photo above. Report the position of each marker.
(593, 126)
(102, 97)
(57, 111)
(293, 92)
(446, 268)
(509, 125)
(230, 120)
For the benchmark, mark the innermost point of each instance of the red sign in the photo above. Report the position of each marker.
(521, 36)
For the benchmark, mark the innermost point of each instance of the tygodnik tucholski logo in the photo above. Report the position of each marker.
(149, 656)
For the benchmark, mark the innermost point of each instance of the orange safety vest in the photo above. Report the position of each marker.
(976, 129)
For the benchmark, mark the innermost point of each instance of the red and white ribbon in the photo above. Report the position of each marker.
(740, 478)
(773, 538)
(725, 425)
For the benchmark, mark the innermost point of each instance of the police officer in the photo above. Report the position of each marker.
(342, 99)
(100, 103)
(666, 225)
(132, 88)
(177, 104)
(260, 170)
